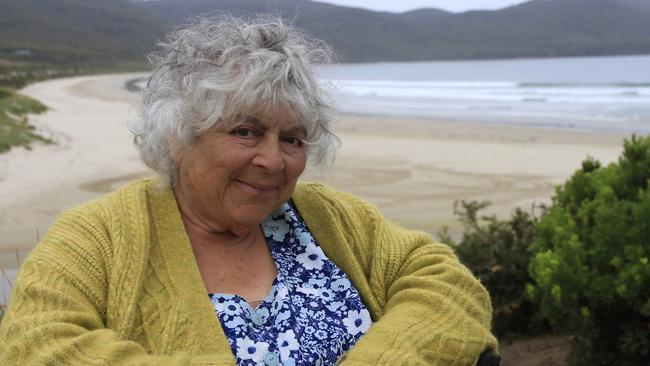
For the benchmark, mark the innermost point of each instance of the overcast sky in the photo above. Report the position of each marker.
(406, 5)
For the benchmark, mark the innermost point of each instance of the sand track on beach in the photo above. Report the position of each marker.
(412, 169)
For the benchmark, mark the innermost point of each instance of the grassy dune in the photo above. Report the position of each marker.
(14, 127)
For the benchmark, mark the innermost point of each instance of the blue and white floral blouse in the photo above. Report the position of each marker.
(312, 315)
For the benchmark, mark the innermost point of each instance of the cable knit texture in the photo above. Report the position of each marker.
(115, 282)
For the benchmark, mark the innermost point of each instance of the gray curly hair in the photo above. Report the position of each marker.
(223, 66)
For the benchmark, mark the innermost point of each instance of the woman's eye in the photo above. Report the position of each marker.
(293, 141)
(243, 132)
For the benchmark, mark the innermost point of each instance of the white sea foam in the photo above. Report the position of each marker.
(590, 93)
(503, 91)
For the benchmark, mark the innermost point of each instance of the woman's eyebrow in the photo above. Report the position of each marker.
(253, 120)
(296, 129)
(292, 129)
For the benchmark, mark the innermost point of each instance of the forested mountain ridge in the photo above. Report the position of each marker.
(539, 28)
(109, 32)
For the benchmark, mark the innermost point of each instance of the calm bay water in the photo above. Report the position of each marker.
(585, 93)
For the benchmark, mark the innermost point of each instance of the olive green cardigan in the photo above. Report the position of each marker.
(115, 282)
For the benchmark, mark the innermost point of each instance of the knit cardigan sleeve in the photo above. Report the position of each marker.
(57, 314)
(428, 309)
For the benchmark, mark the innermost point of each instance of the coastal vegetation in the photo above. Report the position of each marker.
(498, 253)
(590, 264)
(15, 129)
(20, 74)
(581, 267)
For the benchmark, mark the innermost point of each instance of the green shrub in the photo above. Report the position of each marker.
(590, 265)
(14, 127)
(497, 252)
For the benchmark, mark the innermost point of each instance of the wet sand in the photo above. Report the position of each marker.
(412, 169)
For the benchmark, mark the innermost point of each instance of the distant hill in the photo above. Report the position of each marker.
(82, 32)
(539, 28)
(111, 32)
(357, 34)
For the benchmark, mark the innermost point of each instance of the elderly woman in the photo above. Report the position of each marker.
(225, 258)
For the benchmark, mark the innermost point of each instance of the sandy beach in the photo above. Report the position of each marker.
(412, 169)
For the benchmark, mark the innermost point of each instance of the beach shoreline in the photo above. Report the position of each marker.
(412, 169)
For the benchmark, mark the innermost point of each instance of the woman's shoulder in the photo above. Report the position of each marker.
(332, 213)
(123, 197)
(94, 223)
(310, 193)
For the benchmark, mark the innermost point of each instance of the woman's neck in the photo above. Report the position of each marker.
(208, 228)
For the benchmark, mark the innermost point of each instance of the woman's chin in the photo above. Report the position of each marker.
(252, 217)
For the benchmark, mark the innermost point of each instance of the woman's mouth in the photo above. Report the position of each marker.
(256, 187)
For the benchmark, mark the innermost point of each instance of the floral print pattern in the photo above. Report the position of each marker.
(312, 314)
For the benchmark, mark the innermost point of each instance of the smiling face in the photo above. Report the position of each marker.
(235, 174)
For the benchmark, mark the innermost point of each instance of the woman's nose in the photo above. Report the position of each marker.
(269, 154)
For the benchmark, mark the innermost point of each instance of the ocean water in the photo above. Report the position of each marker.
(582, 93)
(608, 94)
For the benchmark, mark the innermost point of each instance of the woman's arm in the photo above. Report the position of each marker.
(57, 313)
(427, 307)
(435, 311)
